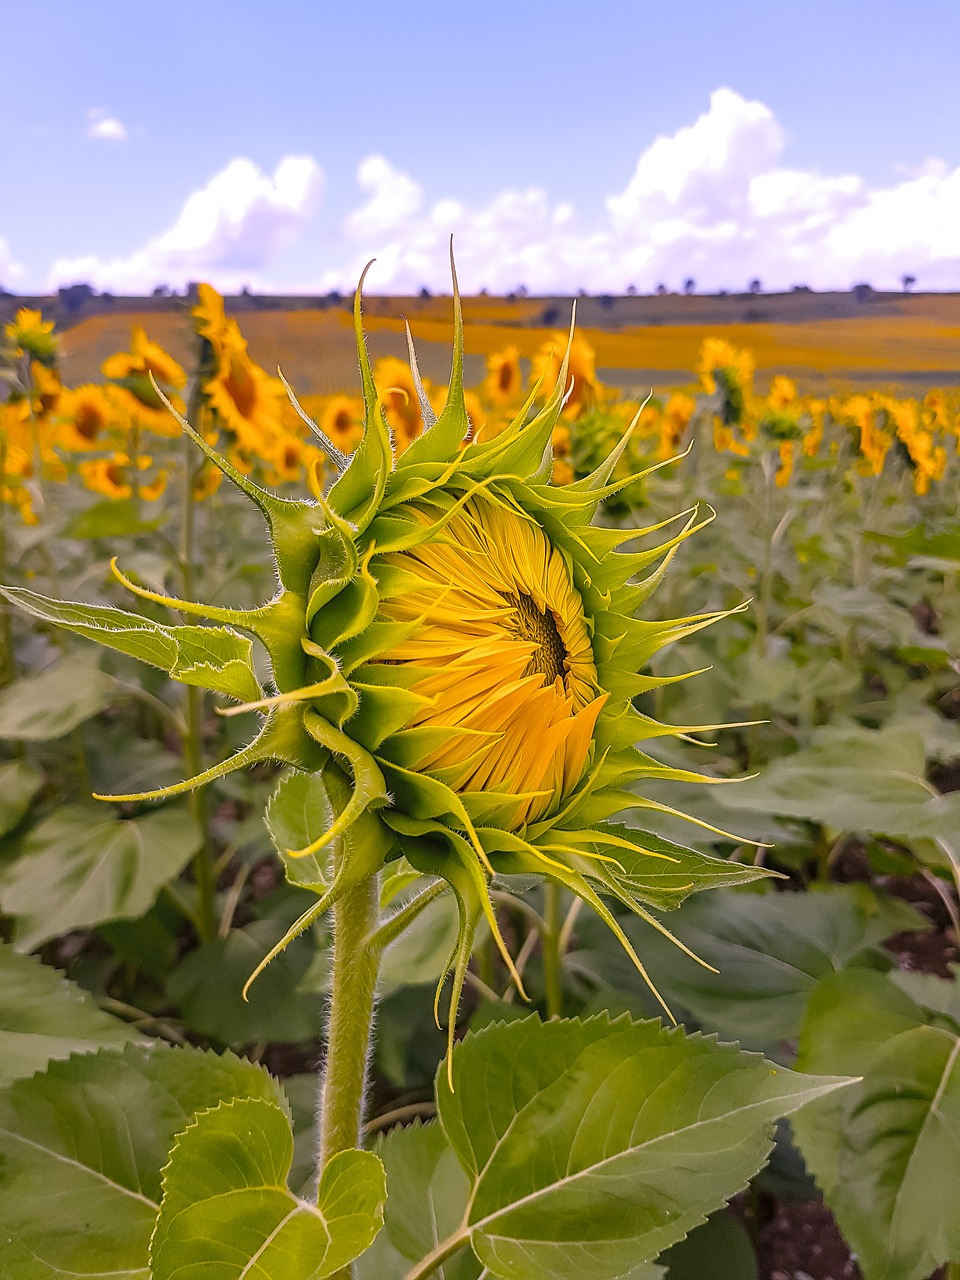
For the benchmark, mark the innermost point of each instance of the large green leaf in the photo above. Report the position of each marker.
(226, 1211)
(855, 780)
(43, 1016)
(427, 1192)
(886, 1151)
(208, 986)
(216, 658)
(770, 950)
(83, 1146)
(19, 783)
(75, 871)
(592, 1146)
(37, 708)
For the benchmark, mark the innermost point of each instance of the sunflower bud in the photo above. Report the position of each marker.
(455, 648)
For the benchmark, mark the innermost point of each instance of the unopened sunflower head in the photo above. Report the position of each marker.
(455, 649)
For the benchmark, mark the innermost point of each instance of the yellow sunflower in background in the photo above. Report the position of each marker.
(341, 420)
(503, 384)
(582, 390)
(88, 414)
(30, 335)
(248, 402)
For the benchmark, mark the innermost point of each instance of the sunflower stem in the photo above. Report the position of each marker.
(550, 943)
(356, 964)
(203, 872)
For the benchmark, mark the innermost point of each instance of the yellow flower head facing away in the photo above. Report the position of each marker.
(32, 336)
(454, 648)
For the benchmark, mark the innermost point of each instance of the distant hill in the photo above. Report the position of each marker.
(824, 340)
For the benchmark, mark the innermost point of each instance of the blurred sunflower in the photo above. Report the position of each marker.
(32, 336)
(503, 384)
(581, 371)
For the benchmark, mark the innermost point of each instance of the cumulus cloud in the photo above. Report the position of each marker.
(10, 269)
(713, 201)
(105, 127)
(227, 232)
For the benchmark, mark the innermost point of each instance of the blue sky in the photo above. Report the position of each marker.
(831, 152)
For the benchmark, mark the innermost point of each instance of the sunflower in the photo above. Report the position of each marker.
(342, 421)
(455, 648)
(32, 336)
(578, 361)
(249, 403)
(134, 369)
(503, 384)
(87, 414)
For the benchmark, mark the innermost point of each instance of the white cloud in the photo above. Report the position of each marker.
(105, 127)
(713, 201)
(394, 197)
(227, 232)
(10, 269)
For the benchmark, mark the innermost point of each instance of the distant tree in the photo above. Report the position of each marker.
(689, 285)
(754, 286)
(908, 282)
(522, 291)
(424, 292)
(162, 291)
(631, 290)
(661, 290)
(73, 297)
(800, 288)
(605, 300)
(863, 292)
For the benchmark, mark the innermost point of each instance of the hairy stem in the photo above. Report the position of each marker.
(550, 942)
(356, 964)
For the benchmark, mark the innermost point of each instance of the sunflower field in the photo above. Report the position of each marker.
(603, 757)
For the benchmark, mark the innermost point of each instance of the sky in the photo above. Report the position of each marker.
(565, 146)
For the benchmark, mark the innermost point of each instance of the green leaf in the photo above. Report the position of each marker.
(111, 518)
(659, 872)
(216, 658)
(771, 950)
(593, 1146)
(38, 708)
(226, 1212)
(207, 986)
(19, 783)
(421, 952)
(297, 814)
(74, 871)
(854, 780)
(885, 1152)
(83, 1147)
(427, 1192)
(43, 1016)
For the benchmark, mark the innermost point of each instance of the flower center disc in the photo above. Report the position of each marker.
(500, 647)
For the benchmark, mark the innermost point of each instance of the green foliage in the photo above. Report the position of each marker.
(84, 1144)
(19, 783)
(885, 1150)
(73, 870)
(226, 1212)
(598, 1144)
(768, 952)
(43, 1017)
(50, 705)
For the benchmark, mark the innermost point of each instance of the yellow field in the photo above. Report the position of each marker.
(824, 341)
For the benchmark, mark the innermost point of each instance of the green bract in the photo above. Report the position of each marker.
(339, 712)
